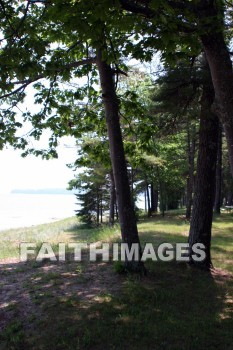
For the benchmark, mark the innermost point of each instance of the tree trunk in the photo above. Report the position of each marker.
(202, 215)
(229, 198)
(101, 207)
(132, 183)
(220, 64)
(145, 200)
(97, 209)
(127, 216)
(218, 185)
(112, 199)
(190, 179)
(116, 206)
(154, 199)
(156, 196)
(162, 199)
(148, 200)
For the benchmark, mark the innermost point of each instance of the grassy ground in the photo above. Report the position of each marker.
(88, 306)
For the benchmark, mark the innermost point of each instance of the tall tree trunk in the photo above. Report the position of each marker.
(127, 216)
(229, 198)
(145, 200)
(112, 199)
(202, 215)
(101, 207)
(190, 180)
(148, 200)
(162, 199)
(218, 185)
(97, 208)
(132, 183)
(220, 64)
(154, 199)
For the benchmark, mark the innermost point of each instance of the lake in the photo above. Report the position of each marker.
(23, 210)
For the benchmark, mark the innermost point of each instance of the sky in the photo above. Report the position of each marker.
(33, 172)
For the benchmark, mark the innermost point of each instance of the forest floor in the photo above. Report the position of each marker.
(88, 305)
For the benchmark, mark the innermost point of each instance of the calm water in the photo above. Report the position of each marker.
(21, 210)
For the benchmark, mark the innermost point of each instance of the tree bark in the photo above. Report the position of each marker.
(127, 216)
(190, 180)
(229, 200)
(101, 207)
(154, 199)
(218, 185)
(162, 199)
(148, 200)
(220, 64)
(202, 215)
(112, 199)
(97, 208)
(116, 208)
(145, 200)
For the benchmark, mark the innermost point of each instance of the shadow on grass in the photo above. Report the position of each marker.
(75, 306)
(167, 220)
(228, 217)
(70, 306)
(157, 237)
(224, 239)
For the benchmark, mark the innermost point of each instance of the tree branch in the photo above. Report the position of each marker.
(142, 8)
(137, 8)
(76, 64)
(14, 30)
(26, 82)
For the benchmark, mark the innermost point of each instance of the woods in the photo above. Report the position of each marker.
(144, 88)
(53, 46)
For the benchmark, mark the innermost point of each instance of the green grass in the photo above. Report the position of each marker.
(175, 307)
(65, 231)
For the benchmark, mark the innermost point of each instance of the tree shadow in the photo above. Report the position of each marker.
(87, 306)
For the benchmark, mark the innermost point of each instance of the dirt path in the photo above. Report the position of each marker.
(24, 287)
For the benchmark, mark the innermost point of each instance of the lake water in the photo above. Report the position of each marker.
(23, 210)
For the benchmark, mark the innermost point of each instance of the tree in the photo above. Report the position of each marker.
(93, 194)
(201, 221)
(191, 143)
(93, 155)
(70, 37)
(176, 98)
(179, 29)
(124, 200)
(218, 56)
(218, 186)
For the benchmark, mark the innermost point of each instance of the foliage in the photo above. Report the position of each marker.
(93, 194)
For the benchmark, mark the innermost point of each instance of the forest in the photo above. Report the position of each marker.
(145, 87)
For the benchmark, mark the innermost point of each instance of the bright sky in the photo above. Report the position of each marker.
(33, 172)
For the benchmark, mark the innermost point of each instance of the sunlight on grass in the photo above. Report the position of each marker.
(171, 228)
(88, 306)
(64, 231)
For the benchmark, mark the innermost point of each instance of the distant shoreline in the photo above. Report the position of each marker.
(47, 191)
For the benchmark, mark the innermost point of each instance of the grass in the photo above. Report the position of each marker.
(88, 306)
(65, 231)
